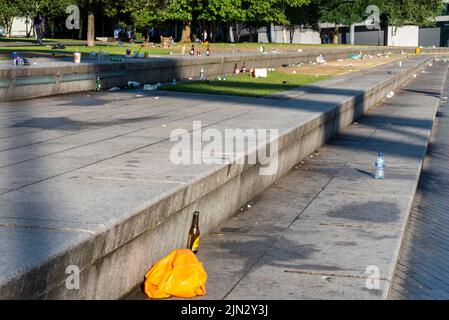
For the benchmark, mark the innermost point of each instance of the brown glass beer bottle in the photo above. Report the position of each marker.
(193, 240)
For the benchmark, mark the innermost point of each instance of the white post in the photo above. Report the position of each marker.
(231, 34)
(352, 34)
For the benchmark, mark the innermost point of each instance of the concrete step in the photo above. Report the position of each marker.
(108, 200)
(328, 229)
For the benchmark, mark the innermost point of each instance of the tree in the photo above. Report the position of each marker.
(180, 10)
(411, 12)
(33, 8)
(291, 13)
(220, 11)
(342, 12)
(304, 17)
(8, 10)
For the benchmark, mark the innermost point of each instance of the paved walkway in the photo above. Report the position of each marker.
(329, 230)
(423, 267)
(84, 177)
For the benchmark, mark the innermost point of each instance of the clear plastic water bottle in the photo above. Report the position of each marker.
(98, 84)
(380, 166)
(202, 76)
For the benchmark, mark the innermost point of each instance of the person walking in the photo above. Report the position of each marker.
(38, 28)
(145, 34)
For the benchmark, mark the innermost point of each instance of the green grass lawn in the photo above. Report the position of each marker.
(245, 85)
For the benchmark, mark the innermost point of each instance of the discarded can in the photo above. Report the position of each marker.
(15, 55)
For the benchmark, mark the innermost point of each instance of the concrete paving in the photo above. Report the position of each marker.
(86, 180)
(423, 265)
(328, 227)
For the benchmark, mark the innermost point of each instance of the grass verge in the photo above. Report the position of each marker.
(245, 85)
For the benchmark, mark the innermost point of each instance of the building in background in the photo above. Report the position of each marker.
(412, 36)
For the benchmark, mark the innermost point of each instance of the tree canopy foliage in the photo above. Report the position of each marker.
(289, 14)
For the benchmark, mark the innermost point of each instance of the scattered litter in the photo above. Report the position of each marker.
(260, 73)
(178, 274)
(202, 74)
(294, 71)
(164, 126)
(139, 95)
(299, 50)
(390, 94)
(414, 76)
(340, 60)
(249, 206)
(326, 278)
(133, 84)
(150, 87)
(320, 59)
(285, 82)
(114, 89)
(77, 57)
(156, 98)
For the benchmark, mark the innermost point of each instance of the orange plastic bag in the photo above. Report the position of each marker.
(179, 274)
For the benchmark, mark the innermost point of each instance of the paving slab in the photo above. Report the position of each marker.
(319, 232)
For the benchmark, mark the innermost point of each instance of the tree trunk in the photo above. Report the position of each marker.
(90, 29)
(186, 29)
(28, 27)
(335, 40)
(251, 34)
(9, 28)
(237, 29)
(292, 33)
(81, 29)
